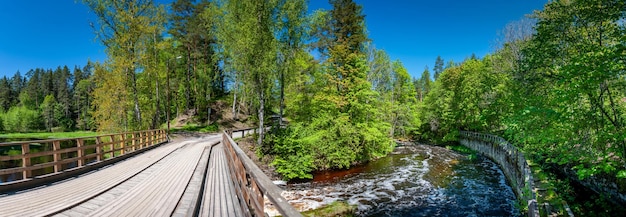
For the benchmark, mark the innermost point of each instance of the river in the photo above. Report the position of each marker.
(416, 180)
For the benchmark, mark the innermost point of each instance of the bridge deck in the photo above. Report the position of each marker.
(220, 197)
(161, 182)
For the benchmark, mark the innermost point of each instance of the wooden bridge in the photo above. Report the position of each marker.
(135, 174)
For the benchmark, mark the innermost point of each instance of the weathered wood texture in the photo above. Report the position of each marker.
(220, 198)
(150, 184)
(195, 177)
(251, 184)
(72, 154)
(189, 204)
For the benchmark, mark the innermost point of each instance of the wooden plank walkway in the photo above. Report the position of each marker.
(171, 180)
(220, 198)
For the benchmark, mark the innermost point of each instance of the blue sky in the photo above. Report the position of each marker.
(49, 33)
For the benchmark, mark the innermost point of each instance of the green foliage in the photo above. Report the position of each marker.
(21, 119)
(1, 122)
(621, 174)
(129, 31)
(337, 208)
(438, 69)
(338, 123)
(461, 149)
(565, 78)
(467, 97)
(295, 160)
(558, 93)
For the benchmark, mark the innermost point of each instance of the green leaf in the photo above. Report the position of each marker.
(621, 174)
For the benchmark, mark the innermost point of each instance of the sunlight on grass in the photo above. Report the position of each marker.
(48, 135)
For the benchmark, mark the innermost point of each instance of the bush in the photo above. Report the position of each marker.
(325, 143)
(293, 156)
(22, 119)
(1, 123)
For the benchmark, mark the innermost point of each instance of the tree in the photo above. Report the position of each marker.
(423, 84)
(49, 112)
(512, 39)
(438, 69)
(572, 68)
(110, 100)
(126, 29)
(5, 94)
(33, 92)
(82, 90)
(404, 104)
(17, 84)
(63, 96)
(380, 71)
(252, 52)
(291, 33)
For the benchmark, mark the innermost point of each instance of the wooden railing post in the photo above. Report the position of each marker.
(144, 135)
(27, 173)
(135, 142)
(112, 145)
(125, 143)
(122, 143)
(99, 156)
(81, 152)
(140, 139)
(149, 135)
(56, 146)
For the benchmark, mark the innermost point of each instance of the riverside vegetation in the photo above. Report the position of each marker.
(555, 83)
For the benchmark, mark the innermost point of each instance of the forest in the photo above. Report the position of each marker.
(555, 86)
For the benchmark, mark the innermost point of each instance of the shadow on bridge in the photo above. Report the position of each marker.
(199, 176)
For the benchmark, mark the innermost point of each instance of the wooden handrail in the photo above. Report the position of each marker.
(251, 183)
(106, 147)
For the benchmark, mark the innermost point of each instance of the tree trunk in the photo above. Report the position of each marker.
(282, 98)
(261, 116)
(195, 86)
(235, 98)
(137, 110)
(155, 119)
(187, 89)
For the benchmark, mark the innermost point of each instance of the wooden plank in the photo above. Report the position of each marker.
(191, 197)
(219, 197)
(48, 200)
(171, 178)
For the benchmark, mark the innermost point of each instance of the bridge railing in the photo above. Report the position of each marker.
(26, 160)
(251, 184)
(511, 161)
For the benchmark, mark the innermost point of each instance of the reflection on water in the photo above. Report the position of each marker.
(41, 147)
(425, 181)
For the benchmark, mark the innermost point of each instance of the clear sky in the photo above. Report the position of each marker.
(49, 33)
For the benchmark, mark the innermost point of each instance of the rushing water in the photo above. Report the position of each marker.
(417, 181)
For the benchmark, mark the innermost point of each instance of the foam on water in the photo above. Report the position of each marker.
(430, 181)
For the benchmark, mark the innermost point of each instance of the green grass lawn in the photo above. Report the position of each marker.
(48, 135)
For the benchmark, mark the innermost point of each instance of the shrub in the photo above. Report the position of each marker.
(21, 119)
